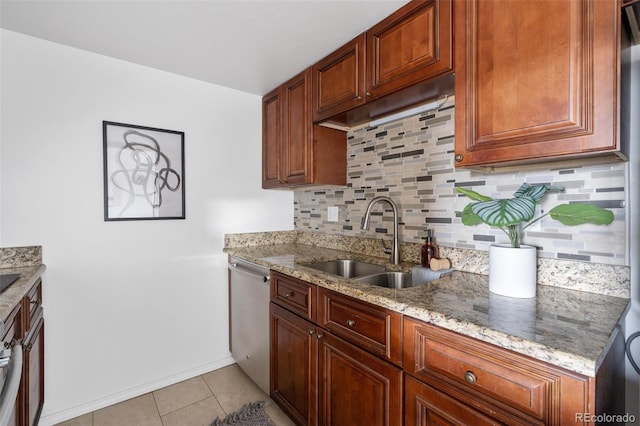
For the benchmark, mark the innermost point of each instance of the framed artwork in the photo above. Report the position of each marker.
(143, 172)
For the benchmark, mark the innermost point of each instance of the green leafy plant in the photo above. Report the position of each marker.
(514, 215)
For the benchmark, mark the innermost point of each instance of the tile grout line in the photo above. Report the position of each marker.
(155, 402)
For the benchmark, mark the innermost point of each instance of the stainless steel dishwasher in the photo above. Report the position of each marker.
(249, 305)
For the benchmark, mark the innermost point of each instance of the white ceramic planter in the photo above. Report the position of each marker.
(512, 271)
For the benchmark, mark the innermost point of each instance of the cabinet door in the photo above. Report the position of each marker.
(339, 80)
(426, 406)
(33, 380)
(411, 45)
(294, 365)
(297, 140)
(271, 139)
(357, 388)
(535, 80)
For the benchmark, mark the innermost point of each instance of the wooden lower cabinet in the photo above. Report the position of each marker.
(424, 405)
(356, 388)
(333, 362)
(451, 378)
(294, 365)
(33, 380)
(32, 393)
(25, 324)
(319, 379)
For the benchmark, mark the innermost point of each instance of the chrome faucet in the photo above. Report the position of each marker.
(395, 251)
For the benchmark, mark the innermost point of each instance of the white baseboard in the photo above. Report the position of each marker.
(49, 419)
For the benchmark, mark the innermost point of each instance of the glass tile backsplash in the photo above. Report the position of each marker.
(411, 161)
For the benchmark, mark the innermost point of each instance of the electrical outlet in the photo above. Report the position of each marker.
(536, 227)
(332, 214)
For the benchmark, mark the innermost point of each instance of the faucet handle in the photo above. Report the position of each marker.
(385, 249)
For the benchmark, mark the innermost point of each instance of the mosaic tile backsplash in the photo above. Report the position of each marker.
(411, 161)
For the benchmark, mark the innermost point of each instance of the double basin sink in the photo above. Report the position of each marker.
(364, 272)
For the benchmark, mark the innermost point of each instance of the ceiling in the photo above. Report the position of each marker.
(248, 45)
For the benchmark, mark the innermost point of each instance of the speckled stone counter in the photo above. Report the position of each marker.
(26, 261)
(568, 328)
(610, 280)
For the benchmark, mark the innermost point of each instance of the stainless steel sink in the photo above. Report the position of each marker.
(347, 268)
(388, 279)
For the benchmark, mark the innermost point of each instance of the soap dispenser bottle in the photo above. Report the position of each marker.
(429, 250)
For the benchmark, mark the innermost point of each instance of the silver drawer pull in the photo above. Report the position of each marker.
(470, 378)
(311, 332)
(350, 323)
(288, 295)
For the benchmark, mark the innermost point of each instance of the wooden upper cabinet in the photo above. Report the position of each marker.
(295, 151)
(535, 80)
(339, 80)
(297, 142)
(271, 138)
(410, 46)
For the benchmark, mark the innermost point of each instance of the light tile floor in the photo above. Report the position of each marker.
(193, 402)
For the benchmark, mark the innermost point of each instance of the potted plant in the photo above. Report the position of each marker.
(512, 267)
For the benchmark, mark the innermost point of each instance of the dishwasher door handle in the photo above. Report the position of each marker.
(238, 268)
(11, 385)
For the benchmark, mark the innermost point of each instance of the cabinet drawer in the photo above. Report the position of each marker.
(507, 380)
(370, 327)
(296, 295)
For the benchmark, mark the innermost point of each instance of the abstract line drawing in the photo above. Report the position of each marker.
(143, 172)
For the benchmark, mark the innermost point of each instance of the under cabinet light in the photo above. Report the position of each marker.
(408, 112)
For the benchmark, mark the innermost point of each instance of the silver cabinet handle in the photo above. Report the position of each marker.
(350, 323)
(470, 378)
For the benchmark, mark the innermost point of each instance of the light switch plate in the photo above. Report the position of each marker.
(332, 213)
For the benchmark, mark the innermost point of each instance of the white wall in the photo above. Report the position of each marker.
(129, 306)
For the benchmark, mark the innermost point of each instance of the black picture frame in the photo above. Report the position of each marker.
(143, 172)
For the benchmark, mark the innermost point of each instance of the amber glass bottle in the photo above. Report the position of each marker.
(429, 250)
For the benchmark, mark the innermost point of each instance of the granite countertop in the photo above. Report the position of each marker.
(12, 295)
(568, 328)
